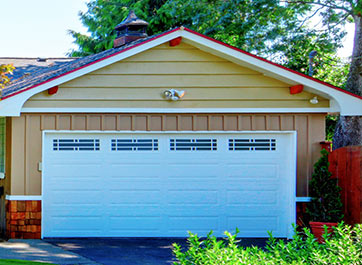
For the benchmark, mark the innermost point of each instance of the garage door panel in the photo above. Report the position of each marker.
(193, 184)
(78, 196)
(77, 210)
(235, 197)
(253, 223)
(72, 171)
(192, 171)
(76, 223)
(130, 210)
(135, 170)
(143, 196)
(76, 184)
(201, 184)
(134, 223)
(119, 185)
(185, 197)
(255, 210)
(252, 170)
(184, 224)
(196, 210)
(188, 160)
(252, 185)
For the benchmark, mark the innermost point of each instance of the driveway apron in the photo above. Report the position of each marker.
(126, 251)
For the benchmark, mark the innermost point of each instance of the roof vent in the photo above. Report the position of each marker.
(41, 59)
(130, 29)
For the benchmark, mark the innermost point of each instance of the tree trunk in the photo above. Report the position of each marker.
(349, 128)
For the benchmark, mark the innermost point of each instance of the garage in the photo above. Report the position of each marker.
(163, 184)
(165, 134)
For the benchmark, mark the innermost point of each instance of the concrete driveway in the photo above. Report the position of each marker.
(38, 250)
(126, 251)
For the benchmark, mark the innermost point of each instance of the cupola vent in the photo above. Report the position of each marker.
(130, 29)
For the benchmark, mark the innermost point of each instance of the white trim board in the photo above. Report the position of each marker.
(23, 197)
(166, 132)
(176, 110)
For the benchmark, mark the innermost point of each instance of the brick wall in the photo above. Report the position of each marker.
(23, 219)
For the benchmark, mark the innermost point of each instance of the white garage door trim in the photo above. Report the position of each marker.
(291, 169)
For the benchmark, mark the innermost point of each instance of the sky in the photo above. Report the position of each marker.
(39, 28)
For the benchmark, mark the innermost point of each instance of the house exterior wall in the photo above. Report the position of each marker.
(25, 137)
(140, 80)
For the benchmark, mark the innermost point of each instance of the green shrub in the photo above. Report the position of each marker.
(343, 247)
(326, 204)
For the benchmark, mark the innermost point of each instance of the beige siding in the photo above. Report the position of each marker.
(209, 82)
(24, 134)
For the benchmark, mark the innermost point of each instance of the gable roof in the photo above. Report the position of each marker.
(14, 96)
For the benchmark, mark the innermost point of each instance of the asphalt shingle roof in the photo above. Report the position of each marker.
(24, 66)
(36, 74)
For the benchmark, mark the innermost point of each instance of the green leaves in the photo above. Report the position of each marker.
(5, 71)
(343, 247)
(326, 204)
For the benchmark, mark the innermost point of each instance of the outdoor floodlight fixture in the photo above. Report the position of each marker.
(173, 94)
(314, 100)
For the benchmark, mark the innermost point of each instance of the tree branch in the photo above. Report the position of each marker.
(319, 3)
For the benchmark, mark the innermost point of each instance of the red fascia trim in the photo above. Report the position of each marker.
(275, 64)
(89, 64)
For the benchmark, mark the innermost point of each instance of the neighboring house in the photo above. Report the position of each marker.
(109, 146)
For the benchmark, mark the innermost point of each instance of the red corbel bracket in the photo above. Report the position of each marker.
(296, 89)
(175, 41)
(53, 90)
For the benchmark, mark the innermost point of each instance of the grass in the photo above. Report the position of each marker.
(21, 262)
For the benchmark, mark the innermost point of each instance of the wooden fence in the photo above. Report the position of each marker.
(346, 165)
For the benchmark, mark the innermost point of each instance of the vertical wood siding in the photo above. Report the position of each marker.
(346, 165)
(26, 136)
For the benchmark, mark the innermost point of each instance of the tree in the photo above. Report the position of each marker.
(278, 34)
(5, 70)
(102, 17)
(334, 15)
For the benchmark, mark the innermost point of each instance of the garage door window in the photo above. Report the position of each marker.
(252, 144)
(76, 145)
(193, 144)
(134, 144)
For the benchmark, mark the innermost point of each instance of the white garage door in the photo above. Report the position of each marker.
(165, 184)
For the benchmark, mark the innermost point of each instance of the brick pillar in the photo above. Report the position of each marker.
(23, 219)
